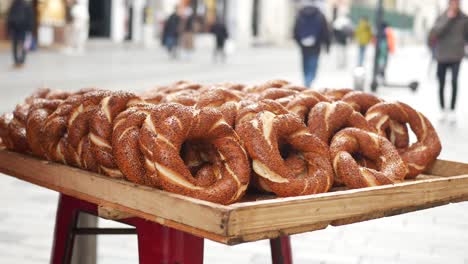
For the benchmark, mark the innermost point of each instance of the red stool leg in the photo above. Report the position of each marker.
(163, 245)
(65, 221)
(185, 248)
(281, 250)
(152, 242)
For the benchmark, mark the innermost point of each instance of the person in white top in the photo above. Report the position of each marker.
(80, 25)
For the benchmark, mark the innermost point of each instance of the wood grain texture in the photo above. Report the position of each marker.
(346, 206)
(191, 215)
(258, 216)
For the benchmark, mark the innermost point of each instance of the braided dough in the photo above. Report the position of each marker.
(355, 141)
(420, 155)
(223, 180)
(306, 168)
(101, 127)
(211, 141)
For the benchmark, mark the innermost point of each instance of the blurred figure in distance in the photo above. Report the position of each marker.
(19, 22)
(342, 33)
(220, 32)
(170, 36)
(311, 32)
(448, 36)
(80, 25)
(386, 45)
(188, 31)
(363, 36)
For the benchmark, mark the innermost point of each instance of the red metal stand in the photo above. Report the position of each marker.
(281, 250)
(157, 244)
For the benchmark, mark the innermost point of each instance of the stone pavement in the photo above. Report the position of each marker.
(27, 212)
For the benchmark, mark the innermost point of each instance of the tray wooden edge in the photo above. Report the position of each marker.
(251, 237)
(200, 218)
(419, 195)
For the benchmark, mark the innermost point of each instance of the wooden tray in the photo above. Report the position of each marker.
(256, 218)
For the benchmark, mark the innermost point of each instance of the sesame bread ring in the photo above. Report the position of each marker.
(101, 127)
(419, 155)
(5, 121)
(37, 116)
(335, 94)
(66, 129)
(267, 85)
(134, 162)
(326, 119)
(397, 133)
(306, 168)
(250, 111)
(222, 99)
(302, 103)
(224, 179)
(352, 141)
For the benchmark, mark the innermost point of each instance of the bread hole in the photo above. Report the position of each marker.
(200, 157)
(366, 162)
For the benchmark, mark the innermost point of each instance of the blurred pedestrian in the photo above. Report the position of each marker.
(311, 32)
(80, 25)
(19, 23)
(342, 33)
(363, 36)
(170, 37)
(386, 44)
(188, 30)
(221, 35)
(68, 29)
(449, 35)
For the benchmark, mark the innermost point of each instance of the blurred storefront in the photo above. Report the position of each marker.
(4, 5)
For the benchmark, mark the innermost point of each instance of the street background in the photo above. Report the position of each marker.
(436, 235)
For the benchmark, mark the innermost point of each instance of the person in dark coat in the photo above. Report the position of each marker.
(19, 22)
(171, 32)
(448, 37)
(220, 32)
(311, 32)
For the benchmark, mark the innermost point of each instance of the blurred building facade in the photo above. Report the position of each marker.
(249, 22)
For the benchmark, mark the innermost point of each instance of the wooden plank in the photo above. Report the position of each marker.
(262, 216)
(444, 168)
(112, 214)
(190, 215)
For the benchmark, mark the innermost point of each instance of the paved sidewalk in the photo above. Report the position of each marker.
(437, 235)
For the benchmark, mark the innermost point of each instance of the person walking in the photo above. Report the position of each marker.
(80, 26)
(19, 22)
(170, 37)
(188, 31)
(311, 32)
(363, 36)
(386, 44)
(220, 32)
(342, 33)
(449, 35)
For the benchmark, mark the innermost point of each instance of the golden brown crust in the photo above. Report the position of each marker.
(305, 170)
(222, 99)
(66, 139)
(223, 180)
(335, 94)
(249, 111)
(351, 141)
(302, 103)
(101, 127)
(420, 155)
(37, 116)
(326, 119)
(181, 138)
